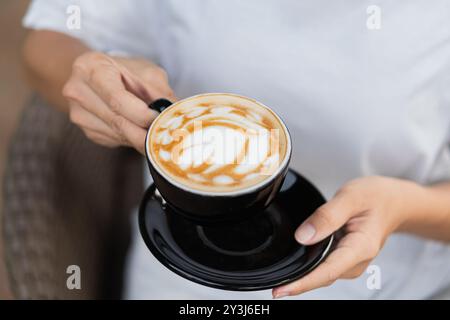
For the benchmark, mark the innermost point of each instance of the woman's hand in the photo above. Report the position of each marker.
(108, 98)
(369, 210)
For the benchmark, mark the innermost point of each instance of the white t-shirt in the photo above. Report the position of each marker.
(358, 101)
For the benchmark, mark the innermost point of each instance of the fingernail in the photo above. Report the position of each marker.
(281, 294)
(305, 233)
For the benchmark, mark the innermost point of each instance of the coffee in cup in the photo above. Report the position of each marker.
(218, 143)
(218, 154)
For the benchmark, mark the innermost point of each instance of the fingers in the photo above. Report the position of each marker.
(132, 133)
(328, 218)
(119, 128)
(88, 121)
(101, 139)
(107, 83)
(338, 263)
(349, 260)
(111, 96)
(151, 85)
(83, 95)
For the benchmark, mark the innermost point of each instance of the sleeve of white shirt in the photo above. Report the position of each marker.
(104, 25)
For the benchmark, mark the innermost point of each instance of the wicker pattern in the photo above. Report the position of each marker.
(66, 202)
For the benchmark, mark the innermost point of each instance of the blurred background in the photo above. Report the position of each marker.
(13, 94)
(49, 193)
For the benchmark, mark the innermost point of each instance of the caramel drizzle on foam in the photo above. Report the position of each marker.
(171, 166)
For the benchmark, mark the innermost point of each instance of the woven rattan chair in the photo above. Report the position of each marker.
(66, 202)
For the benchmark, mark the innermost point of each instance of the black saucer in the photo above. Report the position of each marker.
(255, 254)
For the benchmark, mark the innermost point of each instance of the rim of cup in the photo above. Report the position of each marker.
(237, 192)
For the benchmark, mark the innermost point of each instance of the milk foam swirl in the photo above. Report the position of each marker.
(218, 145)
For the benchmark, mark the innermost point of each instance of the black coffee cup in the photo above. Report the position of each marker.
(204, 206)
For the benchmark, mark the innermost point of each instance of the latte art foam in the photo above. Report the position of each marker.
(218, 143)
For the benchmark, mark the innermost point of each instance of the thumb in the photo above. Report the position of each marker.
(325, 220)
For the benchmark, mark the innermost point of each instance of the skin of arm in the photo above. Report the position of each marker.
(48, 58)
(431, 219)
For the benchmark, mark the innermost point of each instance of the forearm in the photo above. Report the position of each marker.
(48, 58)
(429, 212)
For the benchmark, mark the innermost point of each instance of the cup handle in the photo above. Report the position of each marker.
(160, 105)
